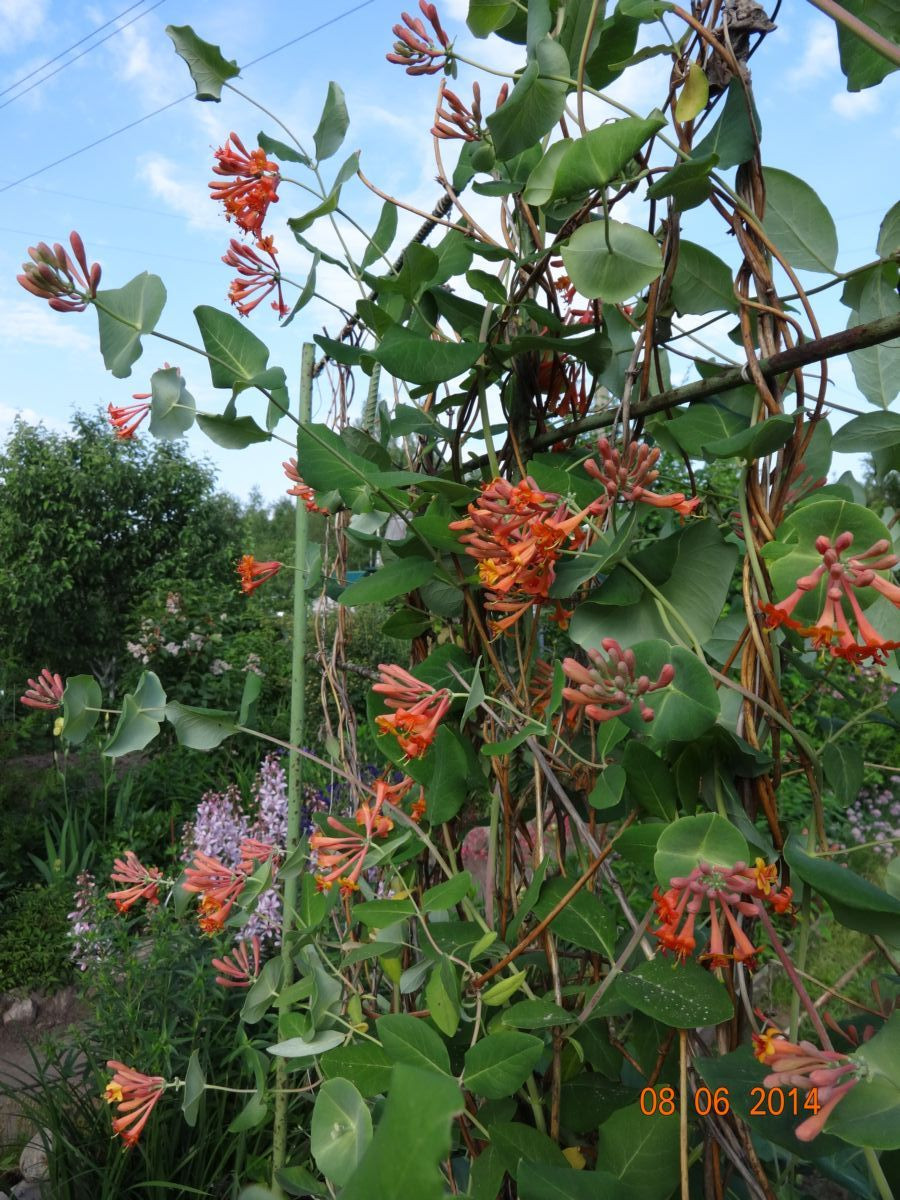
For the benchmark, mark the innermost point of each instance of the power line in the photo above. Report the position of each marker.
(62, 66)
(146, 117)
(74, 46)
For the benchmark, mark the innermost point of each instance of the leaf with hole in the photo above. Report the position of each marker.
(340, 1130)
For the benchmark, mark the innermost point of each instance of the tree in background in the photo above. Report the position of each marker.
(88, 522)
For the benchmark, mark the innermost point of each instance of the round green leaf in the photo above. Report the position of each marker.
(793, 553)
(686, 708)
(682, 995)
(798, 222)
(614, 272)
(123, 314)
(340, 1131)
(689, 840)
(81, 701)
(171, 404)
(500, 1063)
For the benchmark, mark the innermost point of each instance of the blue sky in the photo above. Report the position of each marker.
(140, 200)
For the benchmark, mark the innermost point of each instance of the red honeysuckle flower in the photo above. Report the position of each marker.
(610, 687)
(343, 856)
(235, 968)
(253, 574)
(135, 1094)
(126, 418)
(843, 578)
(258, 278)
(415, 728)
(66, 285)
(45, 692)
(255, 185)
(629, 475)
(729, 892)
(301, 489)
(805, 1065)
(454, 120)
(218, 885)
(143, 881)
(415, 48)
(398, 688)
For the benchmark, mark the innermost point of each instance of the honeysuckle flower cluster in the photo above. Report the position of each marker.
(235, 968)
(143, 882)
(455, 120)
(45, 692)
(416, 49)
(253, 574)
(418, 709)
(136, 1095)
(340, 859)
(257, 278)
(517, 533)
(67, 285)
(301, 489)
(251, 184)
(611, 686)
(729, 892)
(843, 577)
(631, 474)
(804, 1065)
(219, 885)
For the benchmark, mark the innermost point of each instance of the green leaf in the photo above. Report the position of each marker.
(139, 721)
(681, 995)
(281, 150)
(872, 429)
(306, 294)
(393, 579)
(303, 1048)
(208, 67)
(862, 65)
(616, 40)
(449, 894)
(539, 1181)
(688, 183)
(233, 433)
(757, 441)
(585, 921)
(641, 1152)
(340, 1131)
(702, 282)
(417, 359)
(498, 993)
(171, 405)
(689, 840)
(249, 697)
(650, 781)
(410, 1041)
(262, 992)
(854, 901)
(607, 791)
(521, 1145)
(535, 1014)
(798, 222)
(875, 368)
(497, 1065)
(332, 128)
(442, 996)
(194, 1087)
(81, 704)
(867, 1116)
(889, 232)
(200, 728)
(843, 764)
(123, 314)
(365, 1064)
(381, 913)
(534, 105)
(412, 1139)
(486, 16)
(235, 354)
(731, 138)
(632, 260)
(254, 1112)
(590, 161)
(383, 237)
(687, 707)
(694, 95)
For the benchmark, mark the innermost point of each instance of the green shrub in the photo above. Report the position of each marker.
(34, 946)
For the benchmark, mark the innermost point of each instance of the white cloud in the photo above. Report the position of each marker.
(30, 322)
(20, 21)
(852, 105)
(185, 195)
(8, 415)
(819, 56)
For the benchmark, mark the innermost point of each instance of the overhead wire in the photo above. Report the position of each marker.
(163, 108)
(56, 57)
(87, 50)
